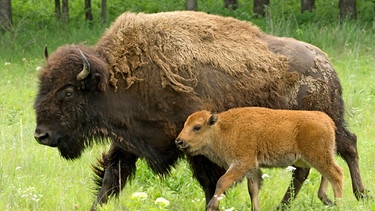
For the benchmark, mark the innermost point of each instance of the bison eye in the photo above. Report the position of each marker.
(197, 128)
(66, 94)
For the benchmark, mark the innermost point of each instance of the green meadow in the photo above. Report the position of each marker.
(35, 177)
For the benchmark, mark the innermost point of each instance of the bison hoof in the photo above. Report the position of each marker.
(283, 206)
(363, 195)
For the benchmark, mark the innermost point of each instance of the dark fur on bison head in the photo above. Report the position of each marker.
(62, 103)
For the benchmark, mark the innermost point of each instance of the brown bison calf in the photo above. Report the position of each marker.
(242, 140)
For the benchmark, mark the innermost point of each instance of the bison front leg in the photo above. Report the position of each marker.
(113, 171)
(207, 173)
(347, 148)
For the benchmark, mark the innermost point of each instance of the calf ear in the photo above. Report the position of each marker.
(213, 119)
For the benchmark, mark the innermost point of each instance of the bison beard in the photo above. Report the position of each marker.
(70, 151)
(148, 72)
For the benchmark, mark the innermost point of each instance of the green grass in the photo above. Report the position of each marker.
(34, 177)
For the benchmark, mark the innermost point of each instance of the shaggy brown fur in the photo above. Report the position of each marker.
(180, 42)
(242, 140)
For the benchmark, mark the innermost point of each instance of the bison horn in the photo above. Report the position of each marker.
(86, 67)
(45, 52)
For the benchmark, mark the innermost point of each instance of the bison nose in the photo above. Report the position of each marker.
(43, 137)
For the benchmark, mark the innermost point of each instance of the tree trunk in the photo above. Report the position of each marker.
(65, 11)
(232, 4)
(348, 9)
(104, 11)
(88, 11)
(307, 5)
(57, 10)
(259, 7)
(191, 5)
(5, 15)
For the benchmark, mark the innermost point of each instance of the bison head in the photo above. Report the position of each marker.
(70, 82)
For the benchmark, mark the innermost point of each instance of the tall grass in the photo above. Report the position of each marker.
(34, 177)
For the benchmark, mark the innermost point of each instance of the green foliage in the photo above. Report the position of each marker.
(34, 21)
(34, 177)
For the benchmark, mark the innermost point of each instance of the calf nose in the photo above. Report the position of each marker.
(180, 143)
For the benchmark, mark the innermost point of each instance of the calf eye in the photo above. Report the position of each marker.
(197, 128)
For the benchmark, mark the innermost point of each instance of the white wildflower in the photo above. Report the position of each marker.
(220, 197)
(139, 195)
(290, 168)
(29, 193)
(196, 200)
(24, 59)
(7, 63)
(265, 176)
(162, 202)
(38, 68)
(18, 168)
(36, 197)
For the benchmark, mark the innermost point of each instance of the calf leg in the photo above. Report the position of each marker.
(334, 175)
(329, 169)
(115, 168)
(233, 174)
(254, 182)
(299, 175)
(346, 143)
(322, 192)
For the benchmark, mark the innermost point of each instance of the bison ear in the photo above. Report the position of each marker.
(213, 119)
(100, 81)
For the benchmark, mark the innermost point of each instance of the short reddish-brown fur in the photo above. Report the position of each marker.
(242, 140)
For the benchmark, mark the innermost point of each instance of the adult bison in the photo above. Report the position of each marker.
(148, 72)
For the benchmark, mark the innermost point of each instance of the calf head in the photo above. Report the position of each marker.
(197, 132)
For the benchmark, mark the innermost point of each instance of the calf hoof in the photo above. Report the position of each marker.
(338, 202)
(324, 198)
(213, 205)
(327, 201)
